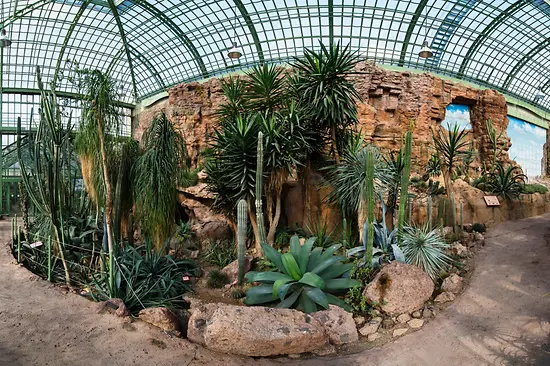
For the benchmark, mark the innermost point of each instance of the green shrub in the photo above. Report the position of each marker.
(480, 228)
(507, 183)
(217, 279)
(426, 249)
(534, 188)
(220, 253)
(304, 279)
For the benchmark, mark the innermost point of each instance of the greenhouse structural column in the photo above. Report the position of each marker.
(1, 134)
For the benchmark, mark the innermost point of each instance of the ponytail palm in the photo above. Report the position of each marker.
(157, 173)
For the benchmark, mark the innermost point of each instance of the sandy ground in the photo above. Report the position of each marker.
(501, 319)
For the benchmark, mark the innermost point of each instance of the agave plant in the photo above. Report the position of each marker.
(424, 248)
(506, 183)
(305, 278)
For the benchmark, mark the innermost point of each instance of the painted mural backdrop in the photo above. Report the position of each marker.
(459, 114)
(527, 145)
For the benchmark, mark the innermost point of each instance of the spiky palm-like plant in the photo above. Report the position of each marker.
(450, 145)
(236, 103)
(424, 248)
(507, 183)
(157, 174)
(321, 84)
(265, 88)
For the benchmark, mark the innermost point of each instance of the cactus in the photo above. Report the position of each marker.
(370, 207)
(453, 212)
(430, 212)
(242, 212)
(259, 184)
(461, 217)
(405, 175)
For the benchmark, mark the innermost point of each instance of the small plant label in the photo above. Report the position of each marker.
(185, 278)
(491, 201)
(36, 245)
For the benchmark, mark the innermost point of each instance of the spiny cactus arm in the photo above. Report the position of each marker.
(259, 185)
(242, 212)
(405, 175)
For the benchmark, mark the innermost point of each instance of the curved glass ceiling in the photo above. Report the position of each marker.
(150, 45)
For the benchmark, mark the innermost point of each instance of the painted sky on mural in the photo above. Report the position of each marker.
(527, 145)
(459, 114)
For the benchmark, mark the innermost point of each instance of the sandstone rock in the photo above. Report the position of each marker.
(452, 284)
(399, 288)
(255, 331)
(467, 238)
(387, 324)
(416, 323)
(339, 325)
(479, 238)
(417, 314)
(447, 231)
(427, 313)
(373, 337)
(403, 318)
(370, 328)
(327, 350)
(444, 297)
(459, 250)
(359, 320)
(162, 318)
(399, 332)
(115, 306)
(232, 269)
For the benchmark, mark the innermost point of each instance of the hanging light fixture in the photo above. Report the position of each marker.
(234, 52)
(539, 94)
(4, 39)
(426, 51)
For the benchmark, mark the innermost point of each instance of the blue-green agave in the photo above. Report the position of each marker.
(305, 278)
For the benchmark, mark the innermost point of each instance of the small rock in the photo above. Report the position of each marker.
(416, 323)
(373, 337)
(327, 350)
(387, 324)
(378, 319)
(375, 312)
(403, 318)
(444, 297)
(427, 313)
(339, 325)
(417, 315)
(370, 328)
(294, 356)
(399, 332)
(447, 230)
(114, 306)
(479, 238)
(452, 284)
(232, 269)
(359, 320)
(459, 250)
(160, 317)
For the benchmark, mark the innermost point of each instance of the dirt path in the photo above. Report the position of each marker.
(502, 318)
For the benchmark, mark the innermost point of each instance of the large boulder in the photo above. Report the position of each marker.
(232, 269)
(162, 318)
(255, 331)
(339, 324)
(399, 288)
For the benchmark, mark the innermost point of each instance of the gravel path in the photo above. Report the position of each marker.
(501, 319)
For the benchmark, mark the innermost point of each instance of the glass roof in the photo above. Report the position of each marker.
(150, 45)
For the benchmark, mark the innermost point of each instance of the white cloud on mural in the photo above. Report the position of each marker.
(527, 144)
(459, 114)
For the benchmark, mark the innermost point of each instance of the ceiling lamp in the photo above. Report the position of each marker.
(234, 52)
(539, 95)
(4, 39)
(426, 51)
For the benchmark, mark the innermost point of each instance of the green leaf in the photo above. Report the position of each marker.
(333, 300)
(274, 256)
(279, 283)
(259, 295)
(283, 290)
(326, 264)
(339, 285)
(313, 280)
(304, 255)
(318, 296)
(398, 254)
(289, 301)
(330, 251)
(266, 277)
(336, 270)
(295, 247)
(306, 304)
(314, 258)
(291, 267)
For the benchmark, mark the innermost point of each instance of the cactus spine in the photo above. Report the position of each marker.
(405, 175)
(242, 215)
(370, 206)
(259, 184)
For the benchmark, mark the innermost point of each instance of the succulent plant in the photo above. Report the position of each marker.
(305, 278)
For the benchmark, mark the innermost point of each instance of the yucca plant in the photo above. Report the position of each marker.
(305, 278)
(321, 82)
(424, 248)
(507, 183)
(450, 145)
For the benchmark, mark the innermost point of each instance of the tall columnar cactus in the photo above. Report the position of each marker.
(242, 215)
(405, 176)
(429, 212)
(259, 186)
(370, 206)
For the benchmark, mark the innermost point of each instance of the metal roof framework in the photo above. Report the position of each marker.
(149, 45)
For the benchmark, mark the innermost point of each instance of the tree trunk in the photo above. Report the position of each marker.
(257, 246)
(274, 221)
